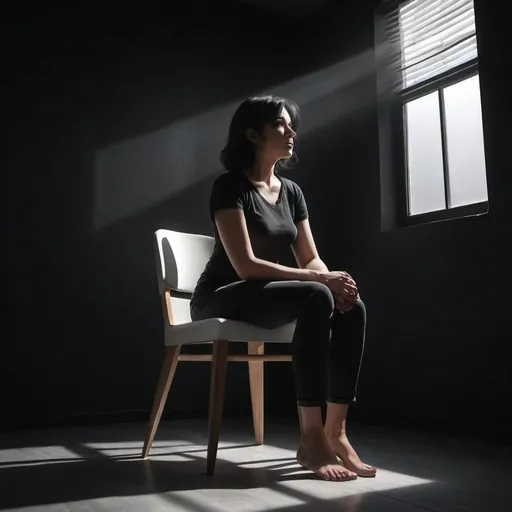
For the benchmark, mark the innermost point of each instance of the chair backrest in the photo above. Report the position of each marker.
(181, 258)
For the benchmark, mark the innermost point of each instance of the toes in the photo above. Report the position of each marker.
(345, 475)
(335, 474)
(368, 470)
(340, 474)
(325, 474)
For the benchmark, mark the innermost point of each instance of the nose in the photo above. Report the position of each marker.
(290, 132)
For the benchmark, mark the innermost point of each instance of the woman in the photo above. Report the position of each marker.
(258, 215)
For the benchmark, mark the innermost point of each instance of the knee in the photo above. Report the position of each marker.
(320, 299)
(359, 309)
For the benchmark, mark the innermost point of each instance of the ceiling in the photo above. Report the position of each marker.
(299, 8)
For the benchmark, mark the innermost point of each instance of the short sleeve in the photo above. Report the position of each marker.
(226, 193)
(301, 209)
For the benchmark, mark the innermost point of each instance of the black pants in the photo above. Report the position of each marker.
(327, 346)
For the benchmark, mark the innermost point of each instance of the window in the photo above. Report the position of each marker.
(439, 123)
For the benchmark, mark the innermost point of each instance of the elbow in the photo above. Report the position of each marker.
(247, 270)
(244, 274)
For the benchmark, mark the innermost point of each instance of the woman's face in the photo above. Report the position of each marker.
(276, 140)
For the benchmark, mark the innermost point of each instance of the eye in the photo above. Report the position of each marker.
(279, 123)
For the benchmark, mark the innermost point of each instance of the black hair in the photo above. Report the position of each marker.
(255, 113)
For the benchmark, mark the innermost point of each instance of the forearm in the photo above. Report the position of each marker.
(317, 264)
(262, 269)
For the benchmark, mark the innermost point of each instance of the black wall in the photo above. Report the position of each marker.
(439, 344)
(117, 120)
(116, 126)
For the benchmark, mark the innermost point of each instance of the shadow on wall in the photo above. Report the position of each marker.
(134, 175)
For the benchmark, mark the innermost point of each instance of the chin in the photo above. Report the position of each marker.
(284, 155)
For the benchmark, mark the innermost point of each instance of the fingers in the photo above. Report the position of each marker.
(348, 278)
(351, 289)
(342, 287)
(350, 292)
(345, 301)
(343, 305)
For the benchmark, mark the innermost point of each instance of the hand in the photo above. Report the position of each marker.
(344, 289)
(345, 302)
(339, 282)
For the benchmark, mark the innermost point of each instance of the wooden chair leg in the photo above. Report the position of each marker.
(217, 391)
(164, 384)
(256, 384)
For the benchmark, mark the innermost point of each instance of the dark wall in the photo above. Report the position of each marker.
(117, 120)
(116, 126)
(439, 345)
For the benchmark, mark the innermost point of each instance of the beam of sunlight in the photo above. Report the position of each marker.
(136, 174)
(37, 455)
(139, 173)
(248, 478)
(256, 499)
(112, 449)
(281, 481)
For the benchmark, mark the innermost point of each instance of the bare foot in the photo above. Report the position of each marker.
(341, 446)
(316, 456)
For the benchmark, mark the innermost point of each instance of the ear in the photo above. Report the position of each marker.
(252, 135)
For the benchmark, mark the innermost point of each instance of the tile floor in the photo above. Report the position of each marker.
(98, 468)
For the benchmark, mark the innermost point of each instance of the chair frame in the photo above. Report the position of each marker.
(219, 359)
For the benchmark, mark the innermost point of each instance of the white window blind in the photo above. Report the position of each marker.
(436, 36)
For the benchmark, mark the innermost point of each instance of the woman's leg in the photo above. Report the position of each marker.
(315, 452)
(275, 303)
(344, 364)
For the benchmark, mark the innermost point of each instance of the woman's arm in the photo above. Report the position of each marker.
(234, 235)
(307, 257)
(304, 249)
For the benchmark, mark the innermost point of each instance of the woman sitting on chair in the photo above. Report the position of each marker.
(258, 215)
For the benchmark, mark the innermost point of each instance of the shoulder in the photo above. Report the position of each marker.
(229, 189)
(296, 200)
(291, 187)
(231, 178)
(229, 181)
(226, 179)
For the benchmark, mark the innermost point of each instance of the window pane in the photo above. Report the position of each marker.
(424, 155)
(465, 143)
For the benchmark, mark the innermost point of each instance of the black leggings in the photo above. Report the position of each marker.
(327, 346)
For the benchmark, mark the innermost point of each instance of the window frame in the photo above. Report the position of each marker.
(398, 128)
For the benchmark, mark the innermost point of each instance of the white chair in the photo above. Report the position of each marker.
(181, 257)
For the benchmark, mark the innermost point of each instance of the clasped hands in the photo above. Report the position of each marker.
(343, 288)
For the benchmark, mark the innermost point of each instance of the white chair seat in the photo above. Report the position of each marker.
(187, 332)
(224, 329)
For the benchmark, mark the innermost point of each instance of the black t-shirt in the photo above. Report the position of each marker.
(271, 227)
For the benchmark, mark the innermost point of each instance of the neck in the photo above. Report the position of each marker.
(262, 170)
